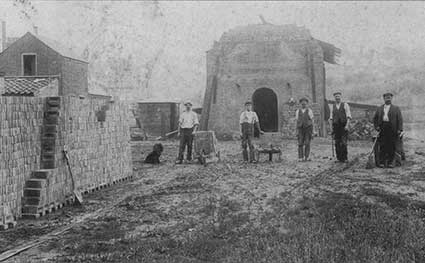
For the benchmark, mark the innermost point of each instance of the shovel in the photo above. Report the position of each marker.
(77, 194)
(370, 159)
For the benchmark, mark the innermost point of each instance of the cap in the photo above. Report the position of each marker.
(248, 103)
(188, 103)
(388, 94)
(303, 98)
(337, 93)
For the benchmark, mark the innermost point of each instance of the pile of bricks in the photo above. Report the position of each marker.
(34, 132)
(20, 122)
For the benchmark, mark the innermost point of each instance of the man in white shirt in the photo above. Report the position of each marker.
(305, 130)
(247, 121)
(340, 123)
(188, 124)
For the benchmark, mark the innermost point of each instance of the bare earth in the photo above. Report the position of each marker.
(318, 211)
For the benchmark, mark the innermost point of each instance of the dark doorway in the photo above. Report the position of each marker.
(265, 105)
(29, 65)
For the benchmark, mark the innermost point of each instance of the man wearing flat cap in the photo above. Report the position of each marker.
(388, 121)
(188, 124)
(248, 121)
(305, 130)
(340, 117)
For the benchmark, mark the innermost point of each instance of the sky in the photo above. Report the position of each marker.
(190, 28)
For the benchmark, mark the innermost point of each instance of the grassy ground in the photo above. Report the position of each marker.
(268, 212)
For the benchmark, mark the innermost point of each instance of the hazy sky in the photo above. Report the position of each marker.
(370, 24)
(191, 27)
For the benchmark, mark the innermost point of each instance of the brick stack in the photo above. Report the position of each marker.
(20, 122)
(45, 190)
(35, 131)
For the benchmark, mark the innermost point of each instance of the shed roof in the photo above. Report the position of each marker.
(25, 86)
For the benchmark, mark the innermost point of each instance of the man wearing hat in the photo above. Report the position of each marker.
(188, 124)
(248, 120)
(388, 121)
(305, 130)
(340, 117)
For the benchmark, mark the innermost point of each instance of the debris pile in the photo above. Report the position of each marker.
(361, 130)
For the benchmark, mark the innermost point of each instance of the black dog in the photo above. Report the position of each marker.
(153, 157)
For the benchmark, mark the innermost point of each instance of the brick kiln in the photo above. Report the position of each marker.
(268, 64)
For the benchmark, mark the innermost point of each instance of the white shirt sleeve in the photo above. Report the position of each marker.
(195, 118)
(331, 113)
(297, 114)
(347, 110)
(241, 118)
(255, 118)
(311, 114)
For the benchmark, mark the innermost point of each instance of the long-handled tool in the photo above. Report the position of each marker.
(77, 194)
(370, 159)
(333, 146)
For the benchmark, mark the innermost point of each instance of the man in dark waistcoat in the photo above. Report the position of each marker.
(340, 123)
(305, 130)
(388, 121)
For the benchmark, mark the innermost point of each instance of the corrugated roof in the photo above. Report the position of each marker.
(25, 86)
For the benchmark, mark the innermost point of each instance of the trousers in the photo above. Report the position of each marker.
(186, 140)
(247, 143)
(387, 143)
(304, 141)
(341, 138)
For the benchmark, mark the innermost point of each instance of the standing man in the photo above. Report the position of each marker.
(388, 122)
(340, 117)
(188, 124)
(305, 130)
(248, 120)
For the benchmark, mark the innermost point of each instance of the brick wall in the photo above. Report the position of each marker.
(21, 119)
(74, 77)
(95, 133)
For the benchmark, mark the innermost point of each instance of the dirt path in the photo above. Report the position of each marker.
(168, 206)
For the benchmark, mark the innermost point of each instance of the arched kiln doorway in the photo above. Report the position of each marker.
(265, 105)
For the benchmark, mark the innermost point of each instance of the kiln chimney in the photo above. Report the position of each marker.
(35, 29)
(3, 36)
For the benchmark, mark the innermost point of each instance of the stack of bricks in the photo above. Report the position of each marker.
(20, 122)
(34, 132)
(97, 134)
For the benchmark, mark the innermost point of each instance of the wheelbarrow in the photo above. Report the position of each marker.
(205, 146)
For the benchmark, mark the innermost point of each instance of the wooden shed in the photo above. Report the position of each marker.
(156, 118)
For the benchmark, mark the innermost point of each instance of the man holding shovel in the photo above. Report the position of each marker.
(340, 123)
(388, 121)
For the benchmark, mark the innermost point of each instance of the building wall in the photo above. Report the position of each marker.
(74, 77)
(291, 70)
(48, 60)
(157, 119)
(99, 149)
